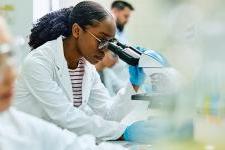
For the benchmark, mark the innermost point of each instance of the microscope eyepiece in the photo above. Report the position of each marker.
(127, 53)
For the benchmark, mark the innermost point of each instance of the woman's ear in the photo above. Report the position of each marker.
(76, 30)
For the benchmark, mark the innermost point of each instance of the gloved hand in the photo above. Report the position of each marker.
(154, 54)
(147, 131)
(137, 75)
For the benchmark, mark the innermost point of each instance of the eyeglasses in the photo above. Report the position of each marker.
(102, 43)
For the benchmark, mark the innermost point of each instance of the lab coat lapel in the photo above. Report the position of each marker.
(62, 70)
(87, 83)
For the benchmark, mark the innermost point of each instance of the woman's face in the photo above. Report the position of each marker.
(88, 41)
(7, 77)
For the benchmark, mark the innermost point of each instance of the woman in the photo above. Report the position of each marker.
(22, 131)
(58, 81)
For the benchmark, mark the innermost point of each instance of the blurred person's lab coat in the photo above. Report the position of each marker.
(22, 131)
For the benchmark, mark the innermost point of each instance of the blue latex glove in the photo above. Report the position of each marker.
(137, 75)
(154, 54)
(147, 131)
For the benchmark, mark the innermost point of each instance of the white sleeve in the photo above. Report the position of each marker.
(112, 82)
(50, 136)
(111, 108)
(58, 139)
(37, 77)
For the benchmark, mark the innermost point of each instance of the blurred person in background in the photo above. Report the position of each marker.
(112, 70)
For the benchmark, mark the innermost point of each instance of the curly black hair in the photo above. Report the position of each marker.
(57, 23)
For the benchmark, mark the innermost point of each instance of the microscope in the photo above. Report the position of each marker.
(133, 56)
(161, 79)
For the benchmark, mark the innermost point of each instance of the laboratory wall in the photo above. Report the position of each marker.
(19, 15)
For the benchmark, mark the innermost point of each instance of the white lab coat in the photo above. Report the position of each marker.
(44, 89)
(22, 131)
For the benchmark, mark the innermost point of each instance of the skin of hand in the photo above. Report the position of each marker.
(108, 61)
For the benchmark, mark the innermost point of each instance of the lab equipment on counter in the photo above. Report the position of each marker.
(159, 89)
(210, 104)
(160, 77)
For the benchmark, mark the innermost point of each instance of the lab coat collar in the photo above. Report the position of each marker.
(86, 86)
(60, 59)
(62, 69)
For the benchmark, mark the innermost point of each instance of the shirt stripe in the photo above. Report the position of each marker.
(76, 77)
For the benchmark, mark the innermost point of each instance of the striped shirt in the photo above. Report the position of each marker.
(76, 76)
